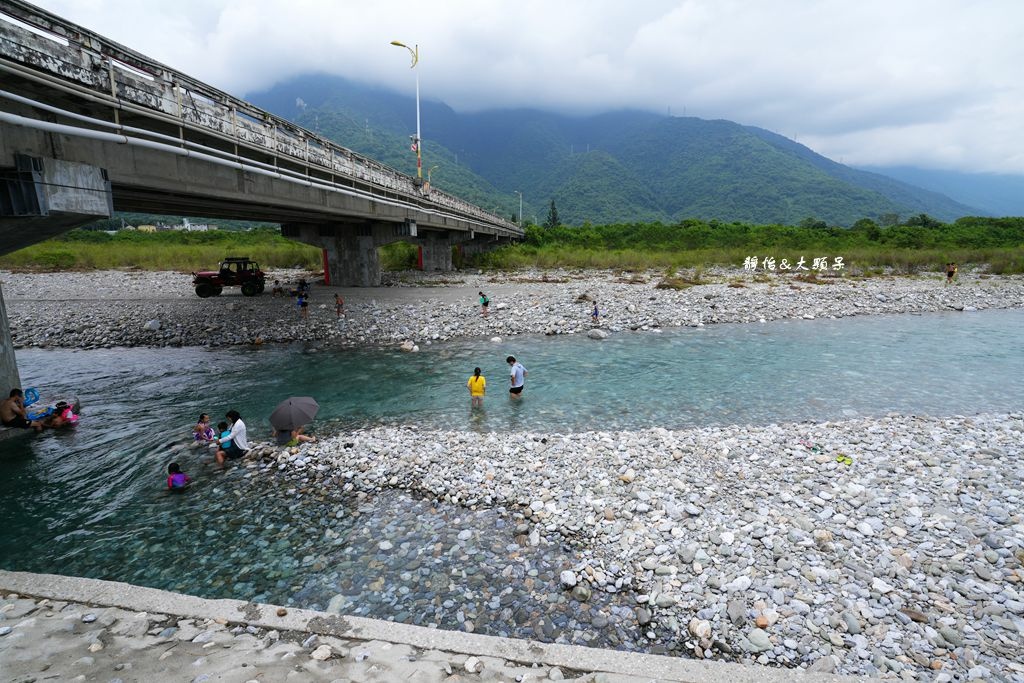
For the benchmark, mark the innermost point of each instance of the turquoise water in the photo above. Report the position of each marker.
(88, 501)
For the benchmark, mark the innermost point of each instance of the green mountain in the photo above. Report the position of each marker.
(625, 166)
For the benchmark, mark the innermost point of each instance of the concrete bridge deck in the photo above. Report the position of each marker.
(89, 126)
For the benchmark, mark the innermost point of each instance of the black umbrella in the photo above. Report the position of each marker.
(294, 412)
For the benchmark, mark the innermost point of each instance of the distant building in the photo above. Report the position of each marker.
(187, 226)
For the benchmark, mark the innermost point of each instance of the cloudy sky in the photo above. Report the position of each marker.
(931, 83)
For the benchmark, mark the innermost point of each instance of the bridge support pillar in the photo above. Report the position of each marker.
(350, 249)
(353, 262)
(8, 366)
(436, 252)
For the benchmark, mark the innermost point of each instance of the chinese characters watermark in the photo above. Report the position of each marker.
(820, 264)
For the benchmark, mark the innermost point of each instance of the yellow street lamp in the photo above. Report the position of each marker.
(431, 170)
(417, 141)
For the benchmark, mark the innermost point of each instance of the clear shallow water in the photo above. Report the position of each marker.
(89, 502)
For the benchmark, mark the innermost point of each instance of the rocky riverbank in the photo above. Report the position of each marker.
(126, 308)
(753, 543)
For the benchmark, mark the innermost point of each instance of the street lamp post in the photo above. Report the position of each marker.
(418, 141)
(520, 207)
(431, 170)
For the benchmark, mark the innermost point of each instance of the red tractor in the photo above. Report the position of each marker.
(234, 271)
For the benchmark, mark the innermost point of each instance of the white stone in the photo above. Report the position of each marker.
(699, 628)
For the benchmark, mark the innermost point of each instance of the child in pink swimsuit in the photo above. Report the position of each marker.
(176, 479)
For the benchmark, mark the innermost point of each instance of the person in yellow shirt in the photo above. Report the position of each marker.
(477, 388)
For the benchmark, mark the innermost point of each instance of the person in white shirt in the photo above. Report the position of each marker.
(517, 377)
(238, 444)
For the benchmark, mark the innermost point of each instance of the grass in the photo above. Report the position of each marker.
(159, 251)
(857, 261)
(79, 250)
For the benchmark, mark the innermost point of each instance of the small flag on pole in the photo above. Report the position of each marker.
(413, 146)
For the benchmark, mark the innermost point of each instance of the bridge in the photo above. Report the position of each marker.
(88, 126)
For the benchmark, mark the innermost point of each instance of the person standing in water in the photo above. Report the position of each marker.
(517, 377)
(477, 388)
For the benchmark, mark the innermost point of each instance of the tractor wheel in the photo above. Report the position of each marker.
(205, 289)
(217, 290)
(250, 289)
(262, 285)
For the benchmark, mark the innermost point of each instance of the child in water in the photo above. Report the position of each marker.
(225, 435)
(176, 479)
(203, 432)
(477, 388)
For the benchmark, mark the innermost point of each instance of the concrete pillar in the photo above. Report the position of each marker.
(350, 249)
(437, 252)
(8, 366)
(352, 261)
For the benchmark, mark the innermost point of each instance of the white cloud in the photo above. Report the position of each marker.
(932, 83)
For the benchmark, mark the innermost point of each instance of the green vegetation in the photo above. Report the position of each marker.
(398, 256)
(921, 243)
(183, 251)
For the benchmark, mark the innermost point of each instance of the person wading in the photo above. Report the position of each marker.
(517, 377)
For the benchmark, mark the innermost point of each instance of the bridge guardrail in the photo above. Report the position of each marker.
(131, 82)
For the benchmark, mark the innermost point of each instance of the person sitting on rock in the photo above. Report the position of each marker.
(292, 437)
(233, 442)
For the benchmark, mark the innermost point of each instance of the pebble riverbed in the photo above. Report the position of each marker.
(748, 543)
(126, 308)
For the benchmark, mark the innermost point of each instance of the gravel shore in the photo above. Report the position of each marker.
(889, 547)
(753, 543)
(125, 308)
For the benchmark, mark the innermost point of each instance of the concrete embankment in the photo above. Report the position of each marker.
(64, 628)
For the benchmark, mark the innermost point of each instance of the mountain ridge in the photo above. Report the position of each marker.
(620, 166)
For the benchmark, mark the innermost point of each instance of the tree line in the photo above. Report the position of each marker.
(916, 232)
